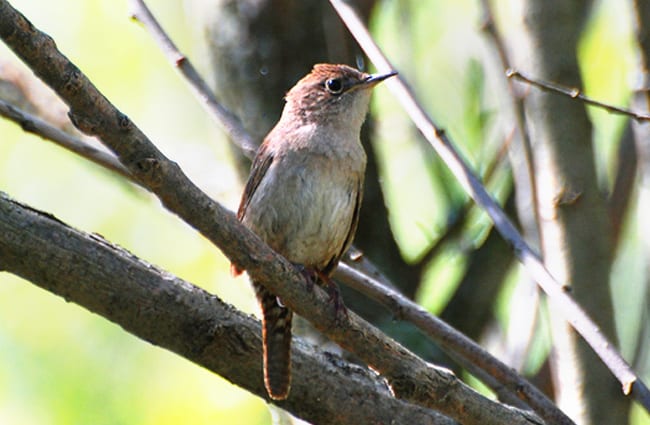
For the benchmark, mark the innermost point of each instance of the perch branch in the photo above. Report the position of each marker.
(174, 314)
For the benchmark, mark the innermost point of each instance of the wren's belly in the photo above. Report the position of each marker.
(305, 214)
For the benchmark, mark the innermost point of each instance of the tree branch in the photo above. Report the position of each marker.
(229, 122)
(575, 93)
(410, 377)
(33, 124)
(178, 316)
(462, 349)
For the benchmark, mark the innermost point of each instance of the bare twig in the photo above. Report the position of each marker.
(230, 123)
(410, 377)
(33, 124)
(575, 93)
(573, 313)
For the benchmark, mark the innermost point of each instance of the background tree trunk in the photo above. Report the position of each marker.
(575, 230)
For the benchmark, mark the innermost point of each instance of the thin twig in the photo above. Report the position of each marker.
(33, 124)
(573, 313)
(575, 93)
(229, 122)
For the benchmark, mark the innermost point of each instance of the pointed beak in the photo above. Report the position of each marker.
(374, 79)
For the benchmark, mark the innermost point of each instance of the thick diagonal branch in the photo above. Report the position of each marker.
(171, 313)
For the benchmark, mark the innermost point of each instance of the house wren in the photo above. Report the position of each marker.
(304, 192)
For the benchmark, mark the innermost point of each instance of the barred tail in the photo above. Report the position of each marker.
(276, 340)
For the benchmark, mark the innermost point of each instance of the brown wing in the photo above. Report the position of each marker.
(276, 319)
(261, 164)
(351, 232)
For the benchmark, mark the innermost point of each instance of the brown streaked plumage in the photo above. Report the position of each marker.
(304, 192)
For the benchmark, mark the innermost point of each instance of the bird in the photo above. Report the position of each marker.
(304, 193)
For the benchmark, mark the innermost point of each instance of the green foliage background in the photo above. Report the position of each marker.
(60, 364)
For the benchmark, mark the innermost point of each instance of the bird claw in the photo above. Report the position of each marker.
(313, 276)
(332, 290)
(340, 311)
(310, 275)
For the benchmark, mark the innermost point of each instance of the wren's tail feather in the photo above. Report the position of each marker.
(276, 339)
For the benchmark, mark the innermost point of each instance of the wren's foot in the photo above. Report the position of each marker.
(311, 275)
(314, 276)
(335, 295)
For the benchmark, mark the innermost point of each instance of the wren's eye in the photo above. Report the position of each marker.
(334, 86)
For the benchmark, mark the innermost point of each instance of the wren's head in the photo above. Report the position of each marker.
(331, 94)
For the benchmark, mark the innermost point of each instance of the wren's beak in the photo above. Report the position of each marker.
(374, 79)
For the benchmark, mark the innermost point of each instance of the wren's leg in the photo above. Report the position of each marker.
(314, 276)
(310, 274)
(335, 295)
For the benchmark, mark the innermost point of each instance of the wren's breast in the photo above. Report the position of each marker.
(309, 202)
